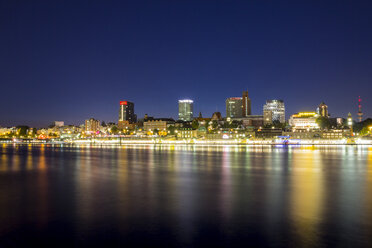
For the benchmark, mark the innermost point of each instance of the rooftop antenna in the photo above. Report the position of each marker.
(360, 113)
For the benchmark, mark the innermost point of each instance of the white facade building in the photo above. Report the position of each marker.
(304, 120)
(185, 110)
(277, 108)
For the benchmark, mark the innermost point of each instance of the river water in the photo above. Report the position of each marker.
(185, 196)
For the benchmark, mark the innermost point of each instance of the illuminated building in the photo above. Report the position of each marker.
(6, 131)
(268, 132)
(59, 123)
(92, 125)
(277, 108)
(126, 125)
(322, 110)
(335, 134)
(339, 121)
(185, 110)
(126, 112)
(246, 104)
(160, 124)
(304, 120)
(350, 120)
(234, 107)
(256, 121)
(267, 117)
(350, 123)
(187, 133)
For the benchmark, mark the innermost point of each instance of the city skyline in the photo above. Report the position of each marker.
(185, 123)
(195, 113)
(73, 61)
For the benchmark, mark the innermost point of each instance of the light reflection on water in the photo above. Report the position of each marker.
(186, 195)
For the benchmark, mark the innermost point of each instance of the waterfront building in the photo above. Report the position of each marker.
(267, 117)
(266, 133)
(127, 125)
(187, 133)
(234, 107)
(69, 131)
(159, 124)
(277, 108)
(304, 120)
(318, 134)
(126, 112)
(253, 121)
(322, 110)
(185, 109)
(92, 125)
(7, 131)
(246, 104)
(226, 134)
(47, 132)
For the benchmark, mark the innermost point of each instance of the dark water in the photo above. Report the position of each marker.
(185, 196)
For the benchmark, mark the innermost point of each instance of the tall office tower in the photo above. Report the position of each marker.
(185, 110)
(322, 110)
(277, 108)
(126, 112)
(234, 107)
(246, 104)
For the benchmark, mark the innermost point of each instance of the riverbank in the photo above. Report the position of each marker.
(352, 141)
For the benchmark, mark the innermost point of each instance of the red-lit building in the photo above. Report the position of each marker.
(126, 113)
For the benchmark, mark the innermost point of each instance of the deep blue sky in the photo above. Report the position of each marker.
(71, 60)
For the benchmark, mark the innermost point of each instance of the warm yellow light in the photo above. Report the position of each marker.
(306, 114)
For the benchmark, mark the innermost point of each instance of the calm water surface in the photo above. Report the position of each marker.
(185, 196)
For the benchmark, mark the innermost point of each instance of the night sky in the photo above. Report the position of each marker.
(72, 60)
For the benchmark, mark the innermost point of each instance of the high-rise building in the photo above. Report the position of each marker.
(246, 104)
(126, 112)
(92, 125)
(277, 108)
(322, 110)
(267, 117)
(234, 107)
(185, 110)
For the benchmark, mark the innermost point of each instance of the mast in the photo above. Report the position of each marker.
(360, 113)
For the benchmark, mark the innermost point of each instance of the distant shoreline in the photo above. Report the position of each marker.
(321, 142)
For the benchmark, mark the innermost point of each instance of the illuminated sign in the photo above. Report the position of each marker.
(123, 103)
(186, 101)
